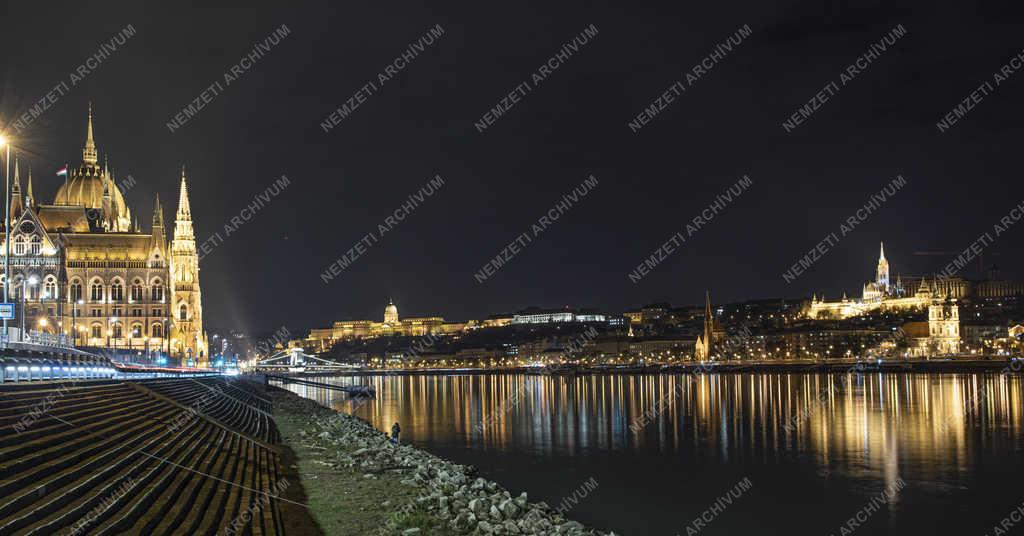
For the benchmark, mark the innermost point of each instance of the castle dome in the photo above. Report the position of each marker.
(391, 313)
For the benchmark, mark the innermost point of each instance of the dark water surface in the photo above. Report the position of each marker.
(815, 450)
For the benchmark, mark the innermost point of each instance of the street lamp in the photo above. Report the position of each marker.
(110, 331)
(7, 226)
(25, 283)
(74, 312)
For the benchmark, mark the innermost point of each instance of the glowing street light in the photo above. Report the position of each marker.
(7, 232)
(25, 283)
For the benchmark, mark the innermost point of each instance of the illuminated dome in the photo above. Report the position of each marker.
(87, 185)
(391, 313)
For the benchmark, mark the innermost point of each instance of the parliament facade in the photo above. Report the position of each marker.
(81, 266)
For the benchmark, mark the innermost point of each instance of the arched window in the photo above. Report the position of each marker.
(96, 293)
(50, 289)
(16, 287)
(116, 291)
(157, 330)
(117, 331)
(158, 290)
(137, 290)
(136, 330)
(183, 312)
(37, 245)
(19, 245)
(76, 290)
(97, 331)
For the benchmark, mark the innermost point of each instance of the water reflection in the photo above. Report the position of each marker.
(874, 429)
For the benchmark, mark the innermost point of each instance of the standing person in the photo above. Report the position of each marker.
(395, 430)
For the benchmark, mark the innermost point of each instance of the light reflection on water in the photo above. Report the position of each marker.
(821, 440)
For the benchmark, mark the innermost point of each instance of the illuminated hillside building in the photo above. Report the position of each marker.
(877, 295)
(321, 339)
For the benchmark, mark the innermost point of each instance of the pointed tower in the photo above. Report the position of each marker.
(16, 199)
(89, 151)
(106, 204)
(882, 278)
(705, 343)
(158, 242)
(29, 198)
(187, 339)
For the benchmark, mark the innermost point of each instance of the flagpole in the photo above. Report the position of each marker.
(67, 192)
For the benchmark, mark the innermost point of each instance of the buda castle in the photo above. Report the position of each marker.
(81, 266)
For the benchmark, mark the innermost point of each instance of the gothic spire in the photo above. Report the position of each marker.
(29, 198)
(881, 251)
(17, 177)
(158, 224)
(16, 200)
(89, 151)
(184, 210)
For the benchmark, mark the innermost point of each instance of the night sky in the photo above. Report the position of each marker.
(571, 125)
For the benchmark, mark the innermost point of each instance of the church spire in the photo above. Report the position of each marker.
(89, 151)
(704, 349)
(882, 274)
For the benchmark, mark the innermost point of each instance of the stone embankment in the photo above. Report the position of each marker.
(446, 496)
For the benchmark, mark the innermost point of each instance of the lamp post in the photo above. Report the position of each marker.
(74, 312)
(30, 280)
(113, 325)
(167, 337)
(7, 228)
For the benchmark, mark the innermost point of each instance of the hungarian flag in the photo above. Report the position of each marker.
(63, 171)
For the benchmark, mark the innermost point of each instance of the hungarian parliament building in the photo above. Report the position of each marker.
(82, 267)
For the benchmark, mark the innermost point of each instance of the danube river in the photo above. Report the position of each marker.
(793, 454)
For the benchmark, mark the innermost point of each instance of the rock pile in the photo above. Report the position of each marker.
(452, 492)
